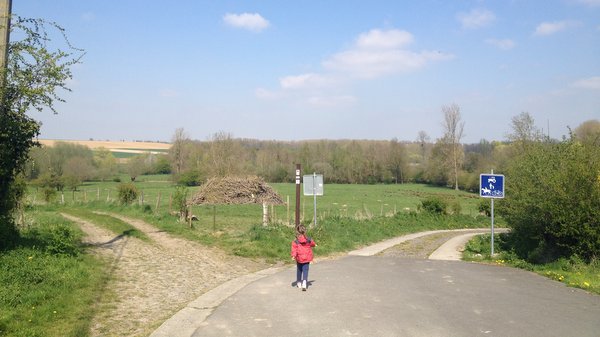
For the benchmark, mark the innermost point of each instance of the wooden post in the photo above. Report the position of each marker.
(214, 217)
(190, 216)
(170, 203)
(287, 203)
(265, 214)
(98, 194)
(108, 195)
(5, 13)
(84, 196)
(157, 202)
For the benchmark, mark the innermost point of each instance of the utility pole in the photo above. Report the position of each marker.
(5, 13)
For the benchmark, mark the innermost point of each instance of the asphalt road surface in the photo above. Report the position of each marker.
(390, 296)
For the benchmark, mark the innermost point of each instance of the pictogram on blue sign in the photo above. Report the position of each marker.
(491, 185)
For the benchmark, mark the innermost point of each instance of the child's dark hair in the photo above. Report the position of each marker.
(300, 230)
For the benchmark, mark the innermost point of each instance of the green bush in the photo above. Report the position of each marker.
(189, 178)
(552, 202)
(485, 207)
(128, 193)
(434, 205)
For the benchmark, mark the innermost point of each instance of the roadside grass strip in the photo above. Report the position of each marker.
(113, 224)
(573, 272)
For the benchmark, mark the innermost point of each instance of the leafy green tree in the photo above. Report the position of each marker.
(106, 164)
(33, 76)
(552, 201)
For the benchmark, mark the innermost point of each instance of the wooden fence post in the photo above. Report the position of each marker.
(157, 202)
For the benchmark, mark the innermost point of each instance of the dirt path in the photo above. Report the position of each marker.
(420, 247)
(149, 282)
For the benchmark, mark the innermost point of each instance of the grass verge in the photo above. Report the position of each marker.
(48, 285)
(573, 272)
(113, 224)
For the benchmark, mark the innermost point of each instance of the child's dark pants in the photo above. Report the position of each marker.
(302, 271)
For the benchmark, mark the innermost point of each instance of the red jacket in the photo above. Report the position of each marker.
(302, 249)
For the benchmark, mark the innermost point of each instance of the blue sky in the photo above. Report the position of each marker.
(294, 70)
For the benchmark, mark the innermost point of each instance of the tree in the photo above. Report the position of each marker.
(588, 132)
(33, 76)
(177, 152)
(396, 160)
(423, 139)
(453, 133)
(137, 165)
(524, 130)
(225, 155)
(106, 164)
(76, 170)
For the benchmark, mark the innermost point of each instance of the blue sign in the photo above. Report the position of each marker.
(491, 185)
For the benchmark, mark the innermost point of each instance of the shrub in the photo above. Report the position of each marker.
(189, 178)
(61, 239)
(180, 202)
(127, 193)
(455, 207)
(553, 206)
(434, 205)
(485, 207)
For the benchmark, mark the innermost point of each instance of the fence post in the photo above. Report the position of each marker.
(157, 202)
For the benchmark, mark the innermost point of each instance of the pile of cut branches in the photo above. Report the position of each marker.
(236, 190)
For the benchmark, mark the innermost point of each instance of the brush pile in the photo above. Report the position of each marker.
(236, 190)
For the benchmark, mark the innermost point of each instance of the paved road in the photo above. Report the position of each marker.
(366, 295)
(379, 296)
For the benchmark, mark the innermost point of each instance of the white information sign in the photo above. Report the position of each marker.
(313, 184)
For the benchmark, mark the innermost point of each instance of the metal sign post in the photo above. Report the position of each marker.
(297, 195)
(491, 186)
(313, 185)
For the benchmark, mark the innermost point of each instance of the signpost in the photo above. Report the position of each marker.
(491, 186)
(297, 222)
(313, 185)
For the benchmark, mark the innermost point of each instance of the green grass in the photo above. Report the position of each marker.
(45, 292)
(113, 224)
(572, 272)
(238, 229)
(342, 200)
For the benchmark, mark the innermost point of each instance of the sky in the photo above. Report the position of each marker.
(338, 69)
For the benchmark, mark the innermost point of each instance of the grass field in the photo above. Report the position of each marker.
(358, 201)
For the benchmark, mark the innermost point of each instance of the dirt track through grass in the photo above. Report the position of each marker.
(149, 282)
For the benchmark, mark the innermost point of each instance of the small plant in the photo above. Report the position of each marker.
(180, 202)
(49, 194)
(455, 207)
(434, 205)
(127, 193)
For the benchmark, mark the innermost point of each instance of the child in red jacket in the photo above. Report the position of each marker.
(303, 254)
